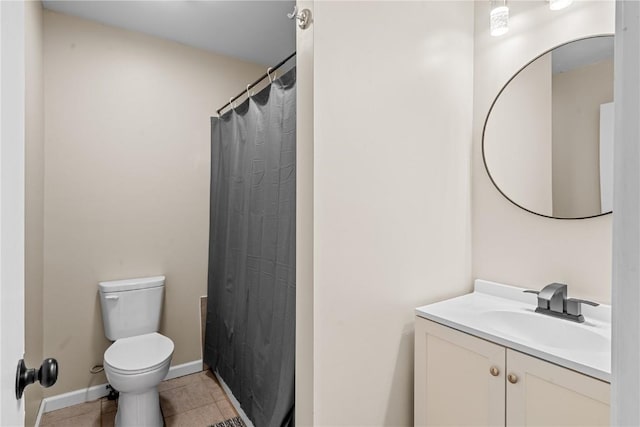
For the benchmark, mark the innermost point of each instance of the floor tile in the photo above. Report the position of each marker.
(203, 416)
(213, 386)
(218, 393)
(177, 382)
(193, 400)
(91, 419)
(207, 375)
(108, 405)
(69, 412)
(108, 419)
(227, 409)
(183, 399)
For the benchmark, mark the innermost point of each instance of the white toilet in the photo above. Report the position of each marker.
(140, 357)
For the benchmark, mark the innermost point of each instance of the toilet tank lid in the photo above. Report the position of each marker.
(131, 284)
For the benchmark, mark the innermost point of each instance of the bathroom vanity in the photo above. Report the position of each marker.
(487, 358)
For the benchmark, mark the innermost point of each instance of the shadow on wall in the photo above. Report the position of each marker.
(402, 382)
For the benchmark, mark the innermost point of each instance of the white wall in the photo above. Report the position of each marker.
(509, 244)
(625, 369)
(304, 222)
(392, 108)
(577, 97)
(12, 203)
(127, 156)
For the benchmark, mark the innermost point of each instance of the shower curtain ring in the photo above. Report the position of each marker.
(231, 103)
(248, 94)
(269, 74)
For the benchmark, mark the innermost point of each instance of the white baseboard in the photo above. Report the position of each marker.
(184, 369)
(96, 392)
(75, 397)
(40, 412)
(234, 401)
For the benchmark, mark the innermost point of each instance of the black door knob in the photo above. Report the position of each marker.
(48, 372)
(46, 375)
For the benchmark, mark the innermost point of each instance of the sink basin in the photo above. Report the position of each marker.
(506, 316)
(547, 331)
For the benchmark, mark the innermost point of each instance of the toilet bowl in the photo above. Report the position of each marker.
(135, 366)
(140, 357)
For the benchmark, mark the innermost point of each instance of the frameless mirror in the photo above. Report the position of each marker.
(547, 142)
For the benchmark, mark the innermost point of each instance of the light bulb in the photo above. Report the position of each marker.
(499, 18)
(559, 4)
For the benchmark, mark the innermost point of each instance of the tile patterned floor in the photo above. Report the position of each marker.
(193, 400)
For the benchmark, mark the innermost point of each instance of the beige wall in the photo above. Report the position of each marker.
(517, 138)
(392, 141)
(509, 244)
(577, 96)
(34, 197)
(126, 180)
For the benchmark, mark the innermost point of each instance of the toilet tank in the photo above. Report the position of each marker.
(131, 307)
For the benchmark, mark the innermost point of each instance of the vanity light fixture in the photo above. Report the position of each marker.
(499, 17)
(559, 4)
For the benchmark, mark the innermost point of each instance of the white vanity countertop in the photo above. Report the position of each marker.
(505, 315)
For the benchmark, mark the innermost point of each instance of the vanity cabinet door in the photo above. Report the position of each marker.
(459, 379)
(544, 394)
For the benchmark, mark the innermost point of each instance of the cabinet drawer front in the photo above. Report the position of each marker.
(549, 395)
(454, 385)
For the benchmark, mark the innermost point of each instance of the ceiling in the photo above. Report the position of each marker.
(257, 31)
(581, 52)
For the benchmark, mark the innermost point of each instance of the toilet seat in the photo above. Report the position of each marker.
(138, 354)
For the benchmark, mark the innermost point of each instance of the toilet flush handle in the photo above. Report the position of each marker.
(112, 297)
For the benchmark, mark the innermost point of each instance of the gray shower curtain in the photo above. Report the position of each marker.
(250, 328)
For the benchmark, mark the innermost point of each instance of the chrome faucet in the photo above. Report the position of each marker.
(553, 301)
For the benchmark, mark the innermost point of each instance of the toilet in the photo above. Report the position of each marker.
(140, 357)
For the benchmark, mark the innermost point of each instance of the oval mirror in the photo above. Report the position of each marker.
(547, 142)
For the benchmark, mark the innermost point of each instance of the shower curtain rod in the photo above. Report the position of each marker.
(261, 78)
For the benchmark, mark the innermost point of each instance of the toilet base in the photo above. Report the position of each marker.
(139, 409)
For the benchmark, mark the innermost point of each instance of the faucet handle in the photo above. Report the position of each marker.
(574, 305)
(542, 302)
(584, 301)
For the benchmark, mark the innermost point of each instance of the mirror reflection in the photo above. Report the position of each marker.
(548, 137)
